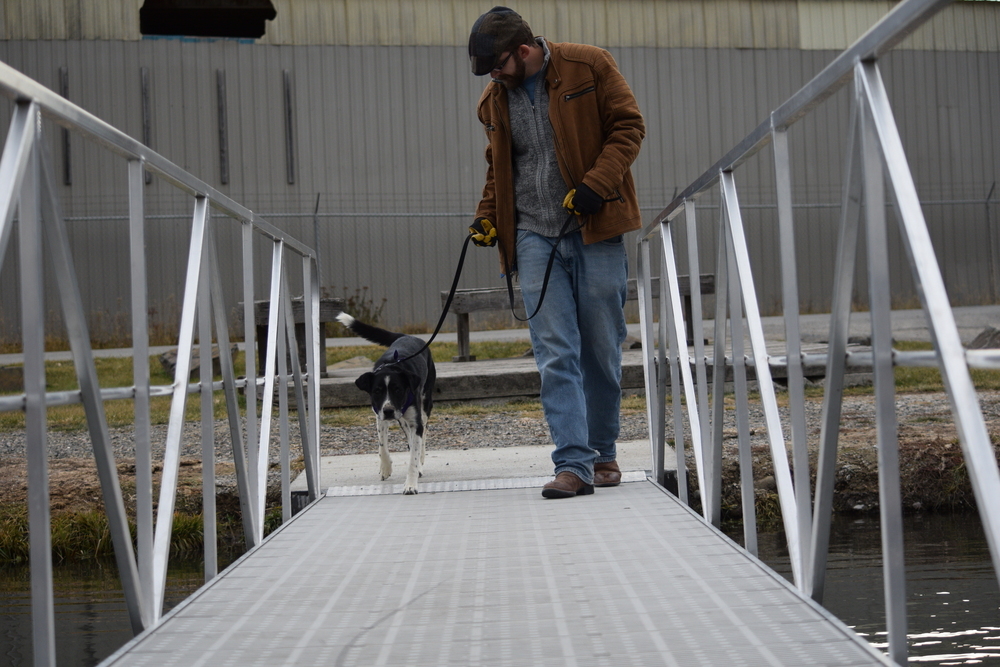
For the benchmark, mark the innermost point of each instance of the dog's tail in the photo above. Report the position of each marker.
(368, 331)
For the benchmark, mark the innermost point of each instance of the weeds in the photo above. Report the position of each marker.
(80, 536)
(107, 329)
(360, 305)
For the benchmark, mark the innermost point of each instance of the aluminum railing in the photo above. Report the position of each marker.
(26, 188)
(874, 151)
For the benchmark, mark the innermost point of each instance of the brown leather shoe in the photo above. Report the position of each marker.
(607, 474)
(566, 485)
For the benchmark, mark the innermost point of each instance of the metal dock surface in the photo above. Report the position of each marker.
(498, 576)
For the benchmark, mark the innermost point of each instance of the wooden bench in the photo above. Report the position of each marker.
(328, 311)
(495, 298)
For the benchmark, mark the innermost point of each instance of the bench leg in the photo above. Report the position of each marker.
(322, 349)
(261, 349)
(689, 325)
(462, 334)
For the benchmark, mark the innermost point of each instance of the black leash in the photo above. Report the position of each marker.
(548, 271)
(510, 286)
(447, 303)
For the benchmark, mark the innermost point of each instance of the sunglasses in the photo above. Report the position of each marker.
(502, 63)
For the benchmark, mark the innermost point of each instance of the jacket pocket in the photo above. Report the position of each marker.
(572, 96)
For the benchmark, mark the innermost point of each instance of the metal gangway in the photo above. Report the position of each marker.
(874, 153)
(27, 189)
(482, 572)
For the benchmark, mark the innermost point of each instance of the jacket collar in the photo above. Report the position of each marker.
(552, 77)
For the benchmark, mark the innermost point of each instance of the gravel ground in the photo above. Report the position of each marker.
(444, 431)
(925, 426)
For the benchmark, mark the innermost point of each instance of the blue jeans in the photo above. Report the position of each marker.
(577, 338)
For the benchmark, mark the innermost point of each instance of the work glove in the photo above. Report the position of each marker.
(581, 200)
(484, 234)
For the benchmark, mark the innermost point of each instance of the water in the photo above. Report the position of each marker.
(953, 598)
(953, 595)
(90, 613)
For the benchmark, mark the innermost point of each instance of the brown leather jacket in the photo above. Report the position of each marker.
(598, 130)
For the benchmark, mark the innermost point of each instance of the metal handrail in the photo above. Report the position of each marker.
(26, 187)
(875, 152)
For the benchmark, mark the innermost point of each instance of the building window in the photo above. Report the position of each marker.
(206, 18)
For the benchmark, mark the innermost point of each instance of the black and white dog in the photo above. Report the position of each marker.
(401, 389)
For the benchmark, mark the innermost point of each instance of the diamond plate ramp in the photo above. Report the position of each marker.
(499, 576)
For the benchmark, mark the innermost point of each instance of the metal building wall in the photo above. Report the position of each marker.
(758, 24)
(387, 136)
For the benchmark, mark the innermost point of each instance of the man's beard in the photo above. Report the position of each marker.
(512, 81)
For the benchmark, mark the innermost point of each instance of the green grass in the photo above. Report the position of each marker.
(439, 351)
(917, 380)
(87, 535)
(111, 372)
(117, 372)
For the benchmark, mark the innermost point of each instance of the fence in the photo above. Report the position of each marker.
(874, 152)
(27, 189)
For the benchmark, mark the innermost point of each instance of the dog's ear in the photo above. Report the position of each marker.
(364, 383)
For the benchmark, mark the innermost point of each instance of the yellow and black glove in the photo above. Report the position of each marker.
(581, 200)
(484, 234)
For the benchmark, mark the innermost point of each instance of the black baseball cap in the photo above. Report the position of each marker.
(498, 30)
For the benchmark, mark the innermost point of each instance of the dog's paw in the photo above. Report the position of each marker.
(410, 491)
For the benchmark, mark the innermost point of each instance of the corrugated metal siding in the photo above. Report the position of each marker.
(388, 137)
(70, 19)
(759, 24)
(962, 26)
(834, 24)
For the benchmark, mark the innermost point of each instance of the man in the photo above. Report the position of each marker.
(563, 130)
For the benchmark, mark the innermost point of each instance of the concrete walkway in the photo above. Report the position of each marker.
(359, 472)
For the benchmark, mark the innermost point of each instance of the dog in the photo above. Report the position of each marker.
(401, 386)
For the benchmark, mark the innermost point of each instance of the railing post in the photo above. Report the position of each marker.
(679, 353)
(665, 359)
(13, 164)
(205, 380)
(259, 450)
(286, 345)
(232, 403)
(141, 380)
(779, 456)
(793, 345)
(652, 371)
(32, 321)
(309, 418)
(250, 352)
(840, 314)
(696, 324)
(720, 366)
(890, 503)
(182, 371)
(747, 494)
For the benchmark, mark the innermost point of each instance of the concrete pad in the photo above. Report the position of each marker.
(449, 465)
